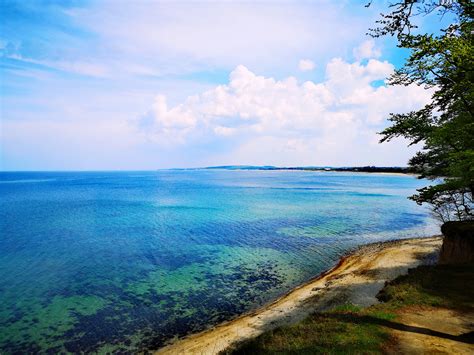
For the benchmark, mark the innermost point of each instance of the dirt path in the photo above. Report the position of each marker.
(357, 279)
(433, 331)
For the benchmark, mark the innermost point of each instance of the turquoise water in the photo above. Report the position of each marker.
(124, 261)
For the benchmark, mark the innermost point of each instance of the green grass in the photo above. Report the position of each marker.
(349, 329)
(343, 330)
(450, 286)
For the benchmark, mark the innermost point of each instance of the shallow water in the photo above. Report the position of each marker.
(120, 261)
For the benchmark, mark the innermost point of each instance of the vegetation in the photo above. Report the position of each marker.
(352, 330)
(444, 63)
(376, 169)
(340, 331)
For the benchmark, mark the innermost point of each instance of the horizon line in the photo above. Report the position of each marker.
(224, 167)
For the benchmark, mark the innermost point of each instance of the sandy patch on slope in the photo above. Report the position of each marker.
(433, 331)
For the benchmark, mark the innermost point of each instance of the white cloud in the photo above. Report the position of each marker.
(278, 121)
(366, 50)
(306, 65)
(171, 125)
(131, 50)
(82, 68)
(224, 131)
(179, 37)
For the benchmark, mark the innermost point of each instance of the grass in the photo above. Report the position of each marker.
(449, 286)
(350, 329)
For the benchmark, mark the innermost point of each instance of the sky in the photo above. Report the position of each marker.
(139, 85)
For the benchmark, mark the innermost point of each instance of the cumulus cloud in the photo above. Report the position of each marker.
(366, 50)
(181, 50)
(306, 65)
(173, 122)
(264, 115)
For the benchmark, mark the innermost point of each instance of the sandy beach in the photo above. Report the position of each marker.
(357, 279)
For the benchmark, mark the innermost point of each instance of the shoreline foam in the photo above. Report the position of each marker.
(356, 278)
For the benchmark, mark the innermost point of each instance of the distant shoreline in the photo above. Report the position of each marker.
(356, 278)
(358, 169)
(368, 169)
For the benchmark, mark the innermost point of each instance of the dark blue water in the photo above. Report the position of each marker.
(123, 261)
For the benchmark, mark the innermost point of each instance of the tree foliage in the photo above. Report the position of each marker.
(443, 62)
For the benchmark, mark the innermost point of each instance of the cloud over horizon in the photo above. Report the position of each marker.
(146, 85)
(295, 119)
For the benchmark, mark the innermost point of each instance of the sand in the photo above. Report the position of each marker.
(429, 330)
(357, 279)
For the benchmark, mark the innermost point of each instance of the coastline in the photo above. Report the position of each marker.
(290, 169)
(356, 278)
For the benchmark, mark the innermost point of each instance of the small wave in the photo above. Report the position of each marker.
(25, 181)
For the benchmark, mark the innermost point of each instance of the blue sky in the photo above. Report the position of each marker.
(99, 85)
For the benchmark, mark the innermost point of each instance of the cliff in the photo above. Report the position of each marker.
(458, 243)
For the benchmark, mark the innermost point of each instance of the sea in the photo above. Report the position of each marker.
(128, 261)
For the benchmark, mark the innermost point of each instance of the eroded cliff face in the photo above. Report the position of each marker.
(458, 243)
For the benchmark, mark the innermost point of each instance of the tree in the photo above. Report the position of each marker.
(443, 62)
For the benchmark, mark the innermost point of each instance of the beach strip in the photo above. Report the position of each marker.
(357, 279)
